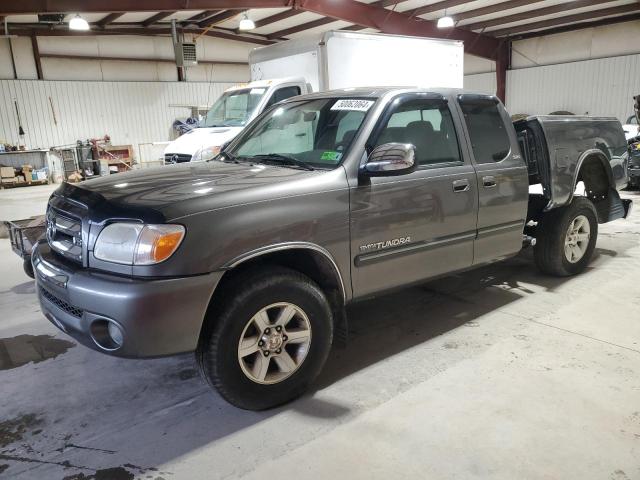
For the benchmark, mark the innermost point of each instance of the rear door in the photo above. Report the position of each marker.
(503, 182)
(415, 226)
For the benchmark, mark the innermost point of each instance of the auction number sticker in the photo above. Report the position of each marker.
(354, 104)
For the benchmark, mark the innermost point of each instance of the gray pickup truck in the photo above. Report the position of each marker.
(325, 199)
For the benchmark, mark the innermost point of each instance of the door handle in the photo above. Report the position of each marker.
(461, 185)
(489, 181)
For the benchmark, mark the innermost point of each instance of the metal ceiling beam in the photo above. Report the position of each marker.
(579, 26)
(109, 18)
(592, 15)
(381, 3)
(388, 21)
(324, 21)
(303, 26)
(434, 7)
(495, 8)
(201, 16)
(540, 12)
(156, 18)
(277, 17)
(219, 18)
(107, 6)
(19, 29)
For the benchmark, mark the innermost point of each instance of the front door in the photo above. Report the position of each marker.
(503, 181)
(411, 227)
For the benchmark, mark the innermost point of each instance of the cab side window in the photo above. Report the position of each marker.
(282, 94)
(428, 126)
(489, 138)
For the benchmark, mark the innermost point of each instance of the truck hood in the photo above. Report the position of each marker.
(192, 141)
(184, 189)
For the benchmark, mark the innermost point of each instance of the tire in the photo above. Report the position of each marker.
(27, 267)
(274, 289)
(552, 231)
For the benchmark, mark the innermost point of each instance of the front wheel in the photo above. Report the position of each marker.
(566, 238)
(27, 267)
(268, 341)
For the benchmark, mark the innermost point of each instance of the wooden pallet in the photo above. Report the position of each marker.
(4, 185)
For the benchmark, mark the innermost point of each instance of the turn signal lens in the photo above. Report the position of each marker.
(156, 243)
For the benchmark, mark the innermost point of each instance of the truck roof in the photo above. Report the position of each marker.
(377, 92)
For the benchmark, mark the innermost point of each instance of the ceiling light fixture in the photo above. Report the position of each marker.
(78, 23)
(446, 21)
(246, 23)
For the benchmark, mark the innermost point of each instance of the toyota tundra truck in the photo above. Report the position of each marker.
(325, 199)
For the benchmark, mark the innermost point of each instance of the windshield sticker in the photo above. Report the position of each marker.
(353, 104)
(256, 91)
(331, 156)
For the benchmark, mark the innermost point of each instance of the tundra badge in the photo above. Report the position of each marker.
(394, 242)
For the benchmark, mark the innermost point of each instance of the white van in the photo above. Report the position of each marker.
(229, 115)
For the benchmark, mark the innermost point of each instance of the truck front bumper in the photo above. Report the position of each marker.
(122, 316)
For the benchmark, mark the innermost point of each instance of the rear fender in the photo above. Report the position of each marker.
(595, 171)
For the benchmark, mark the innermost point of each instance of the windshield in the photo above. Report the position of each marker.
(632, 120)
(315, 133)
(233, 109)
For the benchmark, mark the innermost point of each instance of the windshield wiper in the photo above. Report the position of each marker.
(280, 159)
(229, 157)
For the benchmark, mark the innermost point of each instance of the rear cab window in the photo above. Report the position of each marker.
(487, 131)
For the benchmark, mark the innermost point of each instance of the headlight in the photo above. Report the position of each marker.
(205, 153)
(137, 244)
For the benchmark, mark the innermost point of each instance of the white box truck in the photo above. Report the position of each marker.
(339, 59)
(327, 61)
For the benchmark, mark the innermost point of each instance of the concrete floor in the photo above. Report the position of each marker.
(500, 373)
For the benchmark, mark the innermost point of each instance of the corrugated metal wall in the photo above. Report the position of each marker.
(596, 87)
(129, 112)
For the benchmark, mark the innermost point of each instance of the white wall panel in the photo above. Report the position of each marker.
(595, 87)
(585, 44)
(481, 83)
(474, 64)
(129, 112)
(209, 49)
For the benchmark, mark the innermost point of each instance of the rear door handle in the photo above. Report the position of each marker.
(461, 185)
(489, 181)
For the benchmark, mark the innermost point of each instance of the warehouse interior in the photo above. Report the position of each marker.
(498, 371)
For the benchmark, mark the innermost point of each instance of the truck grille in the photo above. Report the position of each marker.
(61, 304)
(176, 158)
(64, 235)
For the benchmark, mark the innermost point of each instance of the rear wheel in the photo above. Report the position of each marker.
(269, 339)
(566, 238)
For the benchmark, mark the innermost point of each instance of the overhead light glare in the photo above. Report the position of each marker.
(445, 22)
(246, 23)
(78, 23)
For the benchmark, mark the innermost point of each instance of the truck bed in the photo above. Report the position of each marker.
(563, 150)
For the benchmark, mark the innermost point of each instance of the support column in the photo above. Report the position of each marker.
(503, 62)
(36, 55)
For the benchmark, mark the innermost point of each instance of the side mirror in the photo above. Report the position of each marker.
(390, 159)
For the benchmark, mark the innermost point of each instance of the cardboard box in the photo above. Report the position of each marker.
(7, 172)
(27, 172)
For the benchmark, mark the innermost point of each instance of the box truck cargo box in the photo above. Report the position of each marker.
(338, 59)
